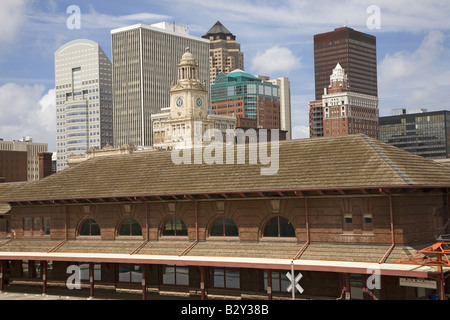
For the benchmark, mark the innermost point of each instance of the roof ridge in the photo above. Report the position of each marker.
(386, 159)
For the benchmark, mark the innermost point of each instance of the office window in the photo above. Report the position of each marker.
(37, 226)
(130, 227)
(224, 227)
(225, 278)
(347, 223)
(89, 227)
(280, 282)
(84, 271)
(130, 273)
(175, 227)
(279, 227)
(176, 275)
(27, 223)
(367, 225)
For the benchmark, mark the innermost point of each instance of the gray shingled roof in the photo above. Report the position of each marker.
(353, 161)
(7, 188)
(218, 28)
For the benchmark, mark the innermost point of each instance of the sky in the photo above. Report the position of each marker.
(413, 48)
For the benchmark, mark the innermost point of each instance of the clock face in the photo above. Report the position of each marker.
(179, 102)
(199, 102)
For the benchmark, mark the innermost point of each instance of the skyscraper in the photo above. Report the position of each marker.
(247, 97)
(284, 85)
(345, 112)
(225, 52)
(144, 66)
(84, 111)
(345, 70)
(354, 51)
(420, 132)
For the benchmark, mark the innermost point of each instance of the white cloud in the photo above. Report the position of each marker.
(12, 15)
(300, 132)
(311, 17)
(420, 78)
(93, 19)
(275, 60)
(27, 111)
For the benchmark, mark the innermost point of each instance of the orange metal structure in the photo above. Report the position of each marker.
(437, 255)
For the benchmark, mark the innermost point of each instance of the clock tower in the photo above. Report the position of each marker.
(188, 97)
(188, 117)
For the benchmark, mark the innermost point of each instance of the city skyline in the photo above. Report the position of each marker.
(411, 49)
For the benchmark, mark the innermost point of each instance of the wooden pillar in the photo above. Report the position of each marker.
(345, 285)
(91, 280)
(202, 282)
(144, 278)
(44, 277)
(269, 284)
(440, 282)
(31, 269)
(2, 275)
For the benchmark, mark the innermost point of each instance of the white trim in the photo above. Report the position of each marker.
(143, 26)
(286, 263)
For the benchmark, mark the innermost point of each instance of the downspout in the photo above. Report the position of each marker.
(196, 231)
(65, 224)
(146, 232)
(65, 233)
(307, 231)
(391, 215)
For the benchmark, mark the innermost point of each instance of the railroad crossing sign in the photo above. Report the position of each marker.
(294, 282)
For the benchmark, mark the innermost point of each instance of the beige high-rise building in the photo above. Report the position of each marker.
(225, 53)
(84, 106)
(144, 66)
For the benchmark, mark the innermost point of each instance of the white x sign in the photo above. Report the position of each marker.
(294, 281)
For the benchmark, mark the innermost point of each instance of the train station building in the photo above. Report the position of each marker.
(342, 211)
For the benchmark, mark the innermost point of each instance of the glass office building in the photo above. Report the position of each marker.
(426, 134)
(246, 96)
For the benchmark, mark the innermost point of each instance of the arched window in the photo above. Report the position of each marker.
(224, 227)
(175, 227)
(130, 227)
(90, 227)
(279, 227)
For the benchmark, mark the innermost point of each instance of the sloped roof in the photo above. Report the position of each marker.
(7, 188)
(218, 28)
(238, 73)
(345, 162)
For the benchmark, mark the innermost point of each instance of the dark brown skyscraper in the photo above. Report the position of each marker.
(354, 51)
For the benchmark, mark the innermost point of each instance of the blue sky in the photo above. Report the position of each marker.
(413, 49)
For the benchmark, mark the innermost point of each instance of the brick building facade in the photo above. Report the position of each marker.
(337, 208)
